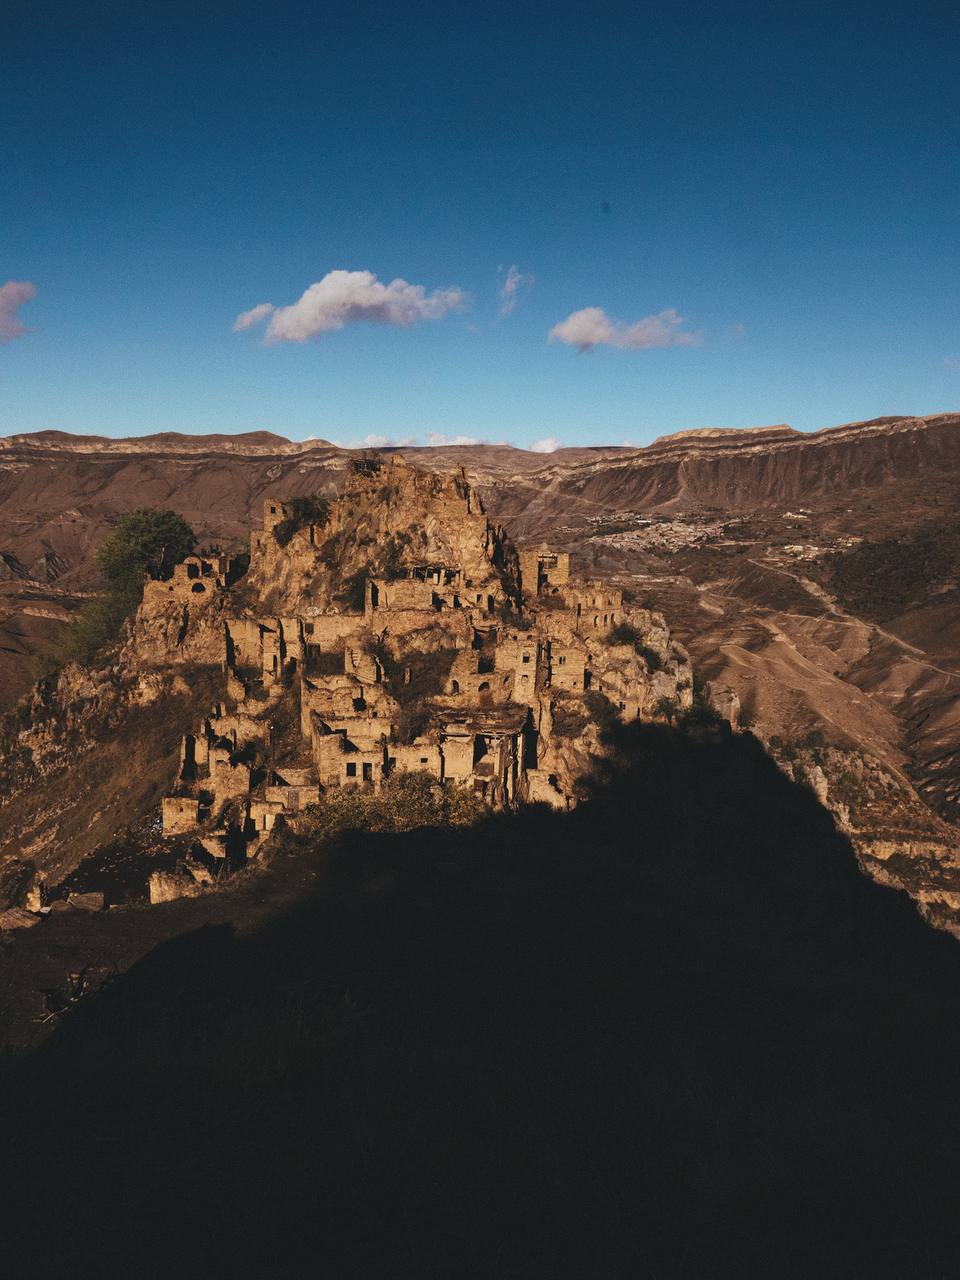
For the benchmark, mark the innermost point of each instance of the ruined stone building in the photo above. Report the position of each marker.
(402, 634)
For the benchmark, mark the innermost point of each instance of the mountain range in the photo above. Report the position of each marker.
(814, 578)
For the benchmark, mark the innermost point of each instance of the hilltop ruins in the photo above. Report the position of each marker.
(400, 632)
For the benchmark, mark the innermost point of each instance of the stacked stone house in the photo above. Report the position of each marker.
(453, 666)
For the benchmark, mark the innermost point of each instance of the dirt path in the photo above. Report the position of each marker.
(840, 615)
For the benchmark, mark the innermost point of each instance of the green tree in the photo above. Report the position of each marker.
(144, 541)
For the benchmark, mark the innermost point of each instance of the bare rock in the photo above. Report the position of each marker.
(167, 886)
(85, 901)
(18, 918)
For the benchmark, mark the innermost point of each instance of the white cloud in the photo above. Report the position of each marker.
(375, 441)
(436, 438)
(247, 319)
(513, 283)
(12, 296)
(592, 327)
(346, 297)
(549, 444)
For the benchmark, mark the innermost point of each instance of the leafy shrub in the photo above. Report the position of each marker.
(700, 716)
(96, 625)
(404, 802)
(602, 710)
(303, 512)
(624, 633)
(665, 709)
(568, 720)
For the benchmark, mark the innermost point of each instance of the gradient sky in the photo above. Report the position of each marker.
(785, 181)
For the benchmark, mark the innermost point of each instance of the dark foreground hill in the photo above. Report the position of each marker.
(674, 1033)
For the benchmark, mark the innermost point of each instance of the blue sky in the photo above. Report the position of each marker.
(781, 187)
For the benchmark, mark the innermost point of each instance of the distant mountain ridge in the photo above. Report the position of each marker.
(59, 493)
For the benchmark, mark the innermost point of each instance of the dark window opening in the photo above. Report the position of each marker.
(368, 773)
(351, 770)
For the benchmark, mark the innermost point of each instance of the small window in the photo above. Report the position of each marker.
(392, 761)
(561, 660)
(273, 511)
(526, 657)
(368, 773)
(308, 628)
(424, 760)
(351, 770)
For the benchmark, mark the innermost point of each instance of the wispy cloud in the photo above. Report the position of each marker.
(592, 327)
(247, 319)
(374, 440)
(437, 438)
(12, 296)
(514, 282)
(549, 444)
(347, 297)
(951, 362)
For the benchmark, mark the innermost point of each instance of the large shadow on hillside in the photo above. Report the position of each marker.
(675, 1033)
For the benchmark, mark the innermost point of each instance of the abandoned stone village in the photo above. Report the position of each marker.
(393, 629)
